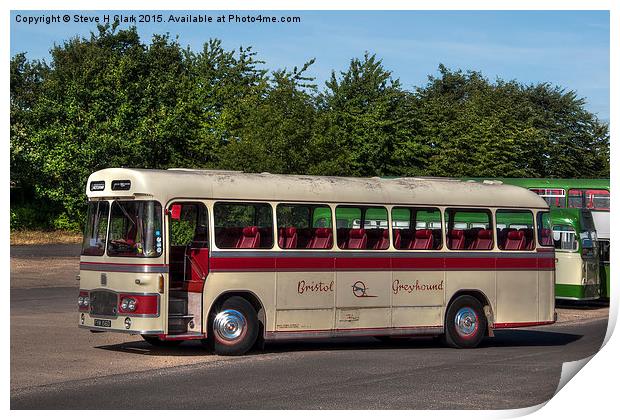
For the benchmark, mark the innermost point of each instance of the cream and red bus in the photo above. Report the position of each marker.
(235, 259)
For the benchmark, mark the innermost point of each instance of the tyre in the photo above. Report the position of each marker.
(465, 323)
(155, 341)
(234, 327)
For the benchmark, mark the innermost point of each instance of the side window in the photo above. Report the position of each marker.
(469, 229)
(543, 220)
(416, 228)
(576, 199)
(243, 225)
(555, 197)
(189, 225)
(597, 199)
(303, 226)
(515, 230)
(362, 227)
(565, 238)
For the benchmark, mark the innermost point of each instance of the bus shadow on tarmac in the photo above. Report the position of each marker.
(502, 339)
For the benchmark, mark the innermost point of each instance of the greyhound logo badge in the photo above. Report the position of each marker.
(360, 290)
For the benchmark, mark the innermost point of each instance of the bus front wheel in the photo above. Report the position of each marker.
(465, 323)
(234, 327)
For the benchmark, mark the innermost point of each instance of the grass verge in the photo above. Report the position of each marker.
(42, 237)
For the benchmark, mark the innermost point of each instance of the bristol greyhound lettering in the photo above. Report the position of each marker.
(303, 287)
(360, 290)
(398, 286)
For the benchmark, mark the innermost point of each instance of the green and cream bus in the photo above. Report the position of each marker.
(577, 254)
(236, 259)
(592, 195)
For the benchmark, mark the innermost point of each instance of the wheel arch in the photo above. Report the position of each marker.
(484, 301)
(247, 295)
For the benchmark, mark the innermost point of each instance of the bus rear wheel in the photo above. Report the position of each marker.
(234, 327)
(465, 323)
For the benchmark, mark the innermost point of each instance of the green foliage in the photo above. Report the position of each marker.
(112, 100)
(182, 232)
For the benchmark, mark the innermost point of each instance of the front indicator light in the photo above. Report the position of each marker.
(82, 318)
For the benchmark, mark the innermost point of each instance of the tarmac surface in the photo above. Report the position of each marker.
(56, 365)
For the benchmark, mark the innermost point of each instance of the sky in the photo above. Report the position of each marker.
(565, 48)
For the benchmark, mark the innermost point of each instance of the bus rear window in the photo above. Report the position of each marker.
(135, 229)
(95, 229)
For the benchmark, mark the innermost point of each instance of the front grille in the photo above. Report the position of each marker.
(103, 302)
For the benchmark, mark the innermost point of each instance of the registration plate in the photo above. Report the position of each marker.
(103, 323)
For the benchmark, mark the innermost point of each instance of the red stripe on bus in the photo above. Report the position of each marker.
(362, 264)
(520, 324)
(136, 265)
(318, 264)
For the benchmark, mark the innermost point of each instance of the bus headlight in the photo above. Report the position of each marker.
(129, 304)
(83, 301)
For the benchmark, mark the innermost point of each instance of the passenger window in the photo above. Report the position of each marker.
(515, 230)
(243, 225)
(469, 229)
(544, 228)
(416, 228)
(302, 226)
(362, 227)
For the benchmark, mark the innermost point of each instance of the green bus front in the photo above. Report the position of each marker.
(577, 255)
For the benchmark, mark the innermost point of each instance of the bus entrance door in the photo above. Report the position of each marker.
(189, 266)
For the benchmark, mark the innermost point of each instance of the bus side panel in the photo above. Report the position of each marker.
(261, 284)
(483, 281)
(363, 299)
(305, 300)
(517, 296)
(418, 297)
(546, 293)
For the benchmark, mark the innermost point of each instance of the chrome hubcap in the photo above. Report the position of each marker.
(229, 324)
(466, 321)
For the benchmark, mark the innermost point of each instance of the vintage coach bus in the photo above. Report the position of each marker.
(234, 259)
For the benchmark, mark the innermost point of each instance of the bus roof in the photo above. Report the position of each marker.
(566, 183)
(165, 185)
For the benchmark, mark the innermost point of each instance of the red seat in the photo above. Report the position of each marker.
(423, 239)
(515, 240)
(282, 237)
(291, 238)
(545, 235)
(384, 240)
(322, 239)
(456, 239)
(396, 238)
(250, 238)
(357, 239)
(529, 237)
(484, 240)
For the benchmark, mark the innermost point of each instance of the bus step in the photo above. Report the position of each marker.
(177, 306)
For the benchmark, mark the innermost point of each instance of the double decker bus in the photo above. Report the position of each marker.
(590, 194)
(235, 259)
